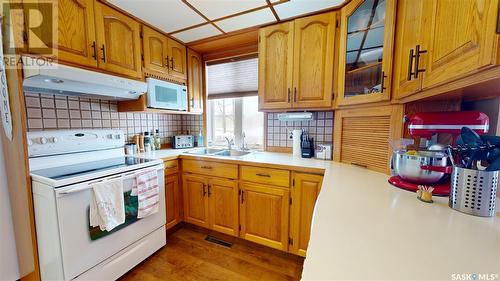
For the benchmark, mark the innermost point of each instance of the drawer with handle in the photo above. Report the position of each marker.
(208, 168)
(265, 175)
(171, 167)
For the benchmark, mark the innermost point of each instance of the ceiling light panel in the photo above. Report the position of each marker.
(247, 20)
(197, 33)
(167, 15)
(295, 8)
(214, 9)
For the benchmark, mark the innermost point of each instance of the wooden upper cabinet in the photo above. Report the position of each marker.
(223, 205)
(305, 191)
(195, 195)
(460, 39)
(118, 41)
(276, 66)
(409, 34)
(365, 51)
(76, 42)
(313, 61)
(195, 81)
(177, 59)
(264, 215)
(155, 50)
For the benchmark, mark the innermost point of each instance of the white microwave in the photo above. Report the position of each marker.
(166, 95)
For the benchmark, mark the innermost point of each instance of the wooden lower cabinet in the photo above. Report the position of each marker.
(264, 214)
(211, 203)
(195, 200)
(305, 191)
(173, 200)
(223, 205)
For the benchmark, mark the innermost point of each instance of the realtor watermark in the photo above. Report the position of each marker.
(32, 29)
(474, 276)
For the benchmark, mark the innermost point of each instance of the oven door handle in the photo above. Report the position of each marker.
(89, 184)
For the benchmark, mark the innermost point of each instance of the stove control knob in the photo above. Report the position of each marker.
(110, 136)
(53, 140)
(118, 136)
(42, 140)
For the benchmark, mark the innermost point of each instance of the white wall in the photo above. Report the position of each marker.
(9, 269)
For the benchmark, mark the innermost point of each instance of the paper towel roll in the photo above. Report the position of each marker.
(296, 134)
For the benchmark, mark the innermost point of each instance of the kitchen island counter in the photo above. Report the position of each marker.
(364, 228)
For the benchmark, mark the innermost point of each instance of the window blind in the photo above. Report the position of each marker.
(233, 78)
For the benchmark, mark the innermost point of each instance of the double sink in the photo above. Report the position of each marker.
(218, 152)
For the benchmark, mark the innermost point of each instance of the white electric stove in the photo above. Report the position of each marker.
(63, 164)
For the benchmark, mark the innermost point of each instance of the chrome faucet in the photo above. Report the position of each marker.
(230, 143)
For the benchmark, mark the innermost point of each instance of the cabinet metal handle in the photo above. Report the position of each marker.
(294, 94)
(204, 190)
(209, 192)
(206, 167)
(418, 52)
(94, 47)
(172, 63)
(167, 61)
(289, 95)
(410, 65)
(263, 175)
(242, 196)
(103, 49)
(382, 88)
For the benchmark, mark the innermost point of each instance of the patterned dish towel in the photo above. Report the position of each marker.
(147, 190)
(107, 208)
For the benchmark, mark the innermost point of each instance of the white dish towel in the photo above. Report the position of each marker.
(107, 208)
(147, 190)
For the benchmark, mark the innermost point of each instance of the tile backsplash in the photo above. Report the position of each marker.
(321, 129)
(48, 112)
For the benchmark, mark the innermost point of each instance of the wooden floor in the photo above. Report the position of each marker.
(188, 256)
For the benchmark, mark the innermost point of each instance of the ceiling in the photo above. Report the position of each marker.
(193, 20)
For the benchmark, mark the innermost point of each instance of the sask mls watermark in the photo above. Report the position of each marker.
(474, 276)
(32, 29)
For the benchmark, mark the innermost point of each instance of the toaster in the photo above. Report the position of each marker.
(183, 141)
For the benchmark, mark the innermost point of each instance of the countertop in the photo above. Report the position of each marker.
(365, 229)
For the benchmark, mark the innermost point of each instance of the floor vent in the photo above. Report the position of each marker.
(218, 241)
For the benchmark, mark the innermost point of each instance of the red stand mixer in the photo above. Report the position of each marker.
(430, 165)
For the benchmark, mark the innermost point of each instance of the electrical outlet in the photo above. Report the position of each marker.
(290, 134)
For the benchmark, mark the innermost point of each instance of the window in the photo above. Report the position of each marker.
(232, 106)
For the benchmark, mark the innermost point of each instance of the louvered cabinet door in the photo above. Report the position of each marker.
(276, 66)
(313, 61)
(362, 136)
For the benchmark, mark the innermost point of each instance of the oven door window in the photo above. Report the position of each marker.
(165, 95)
(131, 206)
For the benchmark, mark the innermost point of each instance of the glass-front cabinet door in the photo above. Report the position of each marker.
(366, 46)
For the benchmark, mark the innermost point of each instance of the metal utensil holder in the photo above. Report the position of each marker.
(474, 192)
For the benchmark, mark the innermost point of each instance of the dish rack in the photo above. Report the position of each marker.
(474, 192)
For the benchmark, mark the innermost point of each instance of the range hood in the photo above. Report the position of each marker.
(61, 79)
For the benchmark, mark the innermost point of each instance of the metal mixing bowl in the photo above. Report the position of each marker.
(408, 166)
